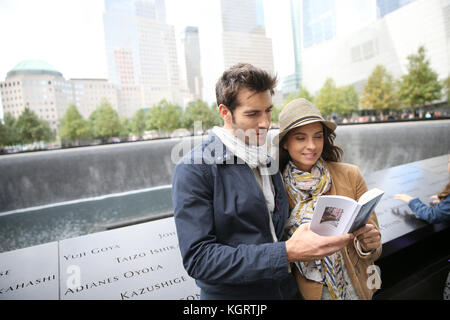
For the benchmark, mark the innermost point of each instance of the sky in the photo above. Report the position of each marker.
(69, 35)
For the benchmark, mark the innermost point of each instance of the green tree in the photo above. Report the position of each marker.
(104, 122)
(9, 135)
(164, 116)
(328, 98)
(289, 98)
(153, 119)
(218, 121)
(32, 129)
(420, 85)
(126, 127)
(304, 93)
(199, 111)
(276, 114)
(447, 89)
(3, 136)
(138, 125)
(379, 93)
(73, 126)
(348, 100)
(172, 117)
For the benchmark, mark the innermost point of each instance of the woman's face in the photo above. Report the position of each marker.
(304, 145)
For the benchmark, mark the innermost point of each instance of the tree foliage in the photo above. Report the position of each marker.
(164, 116)
(73, 126)
(8, 131)
(348, 100)
(104, 122)
(137, 124)
(328, 98)
(30, 128)
(380, 92)
(125, 127)
(420, 85)
(302, 92)
(447, 88)
(200, 111)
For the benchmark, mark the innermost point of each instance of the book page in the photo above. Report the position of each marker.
(332, 215)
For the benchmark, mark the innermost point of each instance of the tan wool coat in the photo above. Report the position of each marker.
(348, 181)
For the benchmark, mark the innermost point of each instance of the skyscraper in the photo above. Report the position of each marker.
(243, 34)
(387, 6)
(141, 53)
(292, 82)
(192, 60)
(319, 21)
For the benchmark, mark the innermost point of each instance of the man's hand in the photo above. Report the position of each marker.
(306, 245)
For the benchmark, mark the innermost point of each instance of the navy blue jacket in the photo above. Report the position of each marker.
(223, 227)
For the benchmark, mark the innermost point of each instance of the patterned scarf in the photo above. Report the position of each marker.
(303, 189)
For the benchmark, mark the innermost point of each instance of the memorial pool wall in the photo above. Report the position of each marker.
(54, 195)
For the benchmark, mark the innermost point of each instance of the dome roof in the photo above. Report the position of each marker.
(33, 67)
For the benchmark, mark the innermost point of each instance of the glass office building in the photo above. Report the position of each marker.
(387, 6)
(141, 53)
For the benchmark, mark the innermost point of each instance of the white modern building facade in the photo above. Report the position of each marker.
(386, 41)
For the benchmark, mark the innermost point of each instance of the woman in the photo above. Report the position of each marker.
(309, 162)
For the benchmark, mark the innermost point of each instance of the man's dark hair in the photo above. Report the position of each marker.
(239, 76)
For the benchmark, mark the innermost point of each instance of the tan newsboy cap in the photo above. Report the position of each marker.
(299, 112)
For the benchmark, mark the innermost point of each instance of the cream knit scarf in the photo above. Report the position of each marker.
(303, 189)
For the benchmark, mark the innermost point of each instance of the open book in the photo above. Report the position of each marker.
(335, 215)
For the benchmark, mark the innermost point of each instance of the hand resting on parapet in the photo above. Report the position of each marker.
(434, 200)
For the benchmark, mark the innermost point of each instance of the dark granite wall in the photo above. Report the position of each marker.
(41, 178)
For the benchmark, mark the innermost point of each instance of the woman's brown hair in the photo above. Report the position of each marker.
(330, 152)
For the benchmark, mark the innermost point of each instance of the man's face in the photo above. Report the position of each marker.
(250, 121)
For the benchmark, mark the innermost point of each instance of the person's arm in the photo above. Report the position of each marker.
(203, 257)
(438, 213)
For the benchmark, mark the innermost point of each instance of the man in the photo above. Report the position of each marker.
(230, 208)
